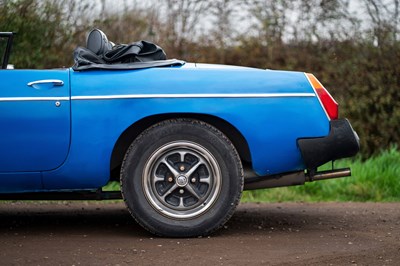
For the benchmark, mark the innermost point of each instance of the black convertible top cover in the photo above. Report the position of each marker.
(136, 55)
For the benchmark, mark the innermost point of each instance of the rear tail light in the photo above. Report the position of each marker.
(329, 104)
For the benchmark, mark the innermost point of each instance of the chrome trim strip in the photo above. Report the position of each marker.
(194, 95)
(20, 99)
(153, 96)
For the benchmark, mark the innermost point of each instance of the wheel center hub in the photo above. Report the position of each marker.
(181, 181)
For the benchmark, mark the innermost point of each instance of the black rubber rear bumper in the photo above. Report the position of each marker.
(341, 142)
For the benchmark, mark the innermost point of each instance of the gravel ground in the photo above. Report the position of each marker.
(99, 233)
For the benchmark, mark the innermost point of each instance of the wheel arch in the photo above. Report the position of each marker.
(133, 131)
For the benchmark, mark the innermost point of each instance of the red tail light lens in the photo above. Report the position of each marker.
(329, 104)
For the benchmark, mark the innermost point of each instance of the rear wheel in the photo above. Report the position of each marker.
(181, 178)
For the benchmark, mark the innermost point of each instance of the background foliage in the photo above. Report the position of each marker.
(353, 48)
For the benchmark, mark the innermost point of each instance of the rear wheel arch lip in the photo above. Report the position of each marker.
(133, 131)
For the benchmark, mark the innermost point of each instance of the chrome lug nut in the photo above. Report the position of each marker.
(170, 179)
(193, 180)
(181, 191)
(182, 168)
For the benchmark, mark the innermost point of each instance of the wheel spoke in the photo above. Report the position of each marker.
(157, 179)
(170, 168)
(194, 168)
(193, 191)
(182, 154)
(169, 191)
(181, 203)
(205, 180)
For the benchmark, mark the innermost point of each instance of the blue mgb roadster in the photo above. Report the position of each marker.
(183, 139)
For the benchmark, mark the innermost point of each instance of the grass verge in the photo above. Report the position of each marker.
(376, 179)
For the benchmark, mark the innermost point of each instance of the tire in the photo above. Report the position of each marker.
(181, 178)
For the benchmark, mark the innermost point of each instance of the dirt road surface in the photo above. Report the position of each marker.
(81, 233)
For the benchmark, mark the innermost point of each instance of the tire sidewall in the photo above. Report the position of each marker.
(181, 130)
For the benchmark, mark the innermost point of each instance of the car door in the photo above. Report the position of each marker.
(34, 119)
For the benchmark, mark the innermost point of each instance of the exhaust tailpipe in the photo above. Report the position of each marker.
(293, 178)
(329, 174)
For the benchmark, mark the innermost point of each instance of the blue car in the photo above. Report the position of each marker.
(183, 139)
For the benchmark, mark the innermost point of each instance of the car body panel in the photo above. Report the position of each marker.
(35, 133)
(105, 103)
(271, 109)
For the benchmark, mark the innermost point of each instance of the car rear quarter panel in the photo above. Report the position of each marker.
(105, 103)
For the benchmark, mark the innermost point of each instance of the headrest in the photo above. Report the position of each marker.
(97, 42)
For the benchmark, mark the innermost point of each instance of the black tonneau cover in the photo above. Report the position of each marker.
(127, 66)
(136, 55)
